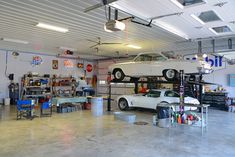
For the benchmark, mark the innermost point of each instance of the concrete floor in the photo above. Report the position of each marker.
(79, 134)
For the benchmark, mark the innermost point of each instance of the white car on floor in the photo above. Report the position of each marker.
(154, 97)
(157, 64)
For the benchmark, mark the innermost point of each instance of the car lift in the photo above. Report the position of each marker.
(181, 82)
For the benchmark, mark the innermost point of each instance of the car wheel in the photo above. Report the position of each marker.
(118, 74)
(123, 104)
(170, 74)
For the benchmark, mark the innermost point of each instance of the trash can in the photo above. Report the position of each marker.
(7, 101)
(163, 117)
(97, 106)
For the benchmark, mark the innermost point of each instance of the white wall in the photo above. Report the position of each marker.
(221, 77)
(22, 64)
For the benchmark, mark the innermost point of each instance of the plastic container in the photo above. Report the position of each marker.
(164, 123)
(128, 117)
(97, 106)
(154, 120)
(7, 101)
(163, 117)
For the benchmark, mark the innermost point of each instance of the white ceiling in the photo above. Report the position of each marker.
(19, 17)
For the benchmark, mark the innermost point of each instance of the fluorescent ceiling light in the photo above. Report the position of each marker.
(178, 4)
(67, 48)
(15, 40)
(51, 27)
(229, 54)
(197, 18)
(134, 46)
(171, 29)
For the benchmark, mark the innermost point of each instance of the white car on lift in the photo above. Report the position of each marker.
(157, 64)
(151, 99)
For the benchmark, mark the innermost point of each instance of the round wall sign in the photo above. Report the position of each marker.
(89, 68)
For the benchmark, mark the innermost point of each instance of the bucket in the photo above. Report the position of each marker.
(7, 101)
(164, 123)
(97, 106)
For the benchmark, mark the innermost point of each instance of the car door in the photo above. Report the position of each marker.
(141, 65)
(149, 100)
(138, 100)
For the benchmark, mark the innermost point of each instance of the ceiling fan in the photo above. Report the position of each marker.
(98, 43)
(98, 5)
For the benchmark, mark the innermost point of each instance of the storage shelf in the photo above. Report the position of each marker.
(37, 86)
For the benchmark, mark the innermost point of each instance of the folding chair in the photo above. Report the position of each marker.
(24, 109)
(45, 106)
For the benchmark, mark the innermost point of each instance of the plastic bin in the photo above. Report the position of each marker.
(7, 101)
(128, 117)
(97, 106)
(163, 117)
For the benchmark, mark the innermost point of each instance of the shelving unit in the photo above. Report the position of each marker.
(63, 87)
(35, 87)
(215, 99)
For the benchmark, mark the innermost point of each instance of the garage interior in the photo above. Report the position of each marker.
(58, 96)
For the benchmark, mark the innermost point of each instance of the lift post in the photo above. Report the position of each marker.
(181, 90)
(109, 92)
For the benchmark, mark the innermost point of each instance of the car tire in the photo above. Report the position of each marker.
(123, 104)
(118, 74)
(170, 74)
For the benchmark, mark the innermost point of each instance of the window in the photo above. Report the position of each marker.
(149, 57)
(102, 82)
(189, 2)
(171, 94)
(154, 94)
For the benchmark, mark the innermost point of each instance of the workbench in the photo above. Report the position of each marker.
(60, 100)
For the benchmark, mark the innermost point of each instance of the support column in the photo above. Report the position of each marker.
(181, 90)
(109, 92)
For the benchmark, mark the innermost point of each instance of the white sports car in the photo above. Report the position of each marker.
(157, 64)
(152, 99)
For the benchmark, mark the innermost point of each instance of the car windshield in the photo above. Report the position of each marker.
(154, 94)
(149, 57)
(171, 94)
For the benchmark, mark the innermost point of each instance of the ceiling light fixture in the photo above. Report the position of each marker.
(51, 27)
(229, 54)
(134, 46)
(197, 18)
(14, 40)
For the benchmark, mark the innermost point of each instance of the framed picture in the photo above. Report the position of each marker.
(55, 64)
